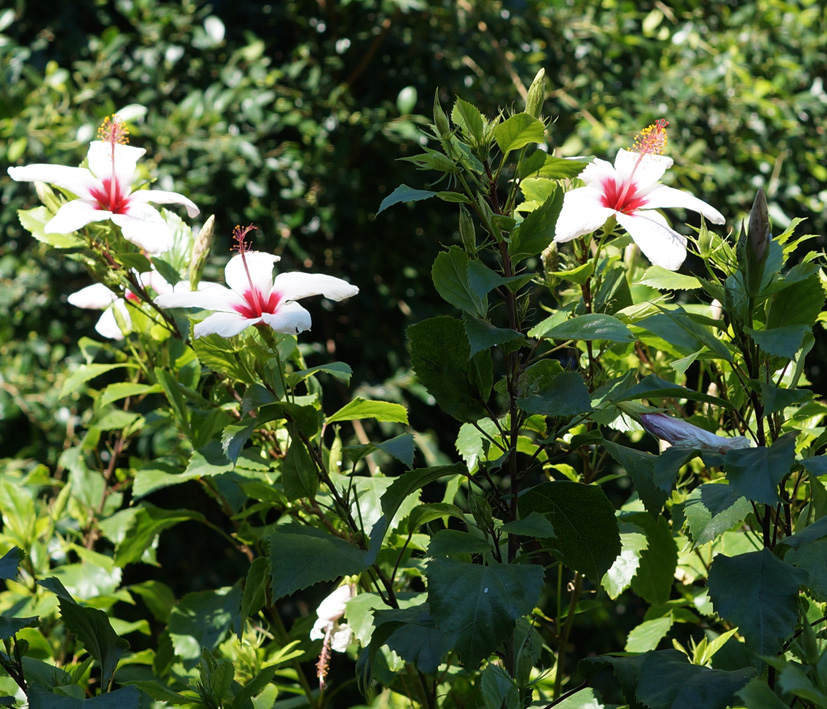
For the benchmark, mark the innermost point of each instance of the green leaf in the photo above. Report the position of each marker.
(811, 533)
(202, 619)
(668, 680)
(440, 359)
(586, 535)
(759, 593)
(9, 563)
(299, 475)
(235, 436)
(547, 390)
(756, 473)
(498, 689)
(536, 231)
(124, 698)
(34, 220)
(640, 466)
(339, 370)
(562, 168)
(648, 634)
(653, 387)
(482, 335)
(452, 282)
(712, 509)
(478, 606)
(470, 121)
(453, 542)
(222, 355)
(619, 577)
(403, 193)
(85, 373)
(812, 559)
(302, 556)
(148, 522)
(798, 304)
(359, 408)
(415, 637)
(535, 525)
(91, 627)
(700, 334)
(757, 693)
(776, 399)
(121, 390)
(518, 131)
(594, 326)
(653, 581)
(664, 279)
(780, 341)
(11, 626)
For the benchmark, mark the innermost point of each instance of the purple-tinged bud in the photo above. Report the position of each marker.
(685, 435)
(760, 229)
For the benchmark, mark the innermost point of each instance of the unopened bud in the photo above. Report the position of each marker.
(753, 245)
(536, 95)
(441, 122)
(466, 231)
(46, 195)
(686, 435)
(201, 251)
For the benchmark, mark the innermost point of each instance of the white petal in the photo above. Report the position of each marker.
(77, 180)
(94, 297)
(153, 279)
(74, 215)
(597, 171)
(224, 324)
(662, 246)
(582, 213)
(209, 296)
(333, 607)
(342, 635)
(664, 197)
(290, 318)
(260, 267)
(99, 159)
(320, 628)
(646, 173)
(163, 197)
(144, 226)
(296, 285)
(107, 325)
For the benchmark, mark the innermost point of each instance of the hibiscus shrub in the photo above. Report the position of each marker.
(475, 578)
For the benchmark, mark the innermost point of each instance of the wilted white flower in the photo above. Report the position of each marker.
(685, 435)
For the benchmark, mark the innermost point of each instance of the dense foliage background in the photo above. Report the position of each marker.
(293, 115)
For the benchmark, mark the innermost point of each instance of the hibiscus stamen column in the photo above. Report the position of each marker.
(242, 247)
(650, 141)
(113, 131)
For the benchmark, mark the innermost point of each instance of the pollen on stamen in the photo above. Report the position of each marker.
(240, 238)
(113, 130)
(652, 139)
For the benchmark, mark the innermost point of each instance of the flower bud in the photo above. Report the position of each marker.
(47, 196)
(684, 435)
(441, 123)
(466, 231)
(753, 245)
(201, 251)
(536, 95)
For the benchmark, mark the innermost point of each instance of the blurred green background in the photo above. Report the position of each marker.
(293, 115)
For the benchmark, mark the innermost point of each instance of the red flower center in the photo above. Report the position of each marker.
(621, 198)
(111, 198)
(257, 304)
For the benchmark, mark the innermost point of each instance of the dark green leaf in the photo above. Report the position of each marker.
(91, 627)
(712, 509)
(812, 559)
(776, 399)
(124, 698)
(339, 370)
(586, 536)
(201, 620)
(498, 689)
(640, 466)
(414, 636)
(780, 341)
(234, 436)
(440, 358)
(453, 542)
(534, 525)
(656, 573)
(536, 231)
(594, 326)
(798, 304)
(403, 193)
(302, 556)
(477, 606)
(148, 522)
(756, 473)
(482, 335)
(9, 563)
(10, 626)
(759, 593)
(299, 475)
(547, 390)
(255, 589)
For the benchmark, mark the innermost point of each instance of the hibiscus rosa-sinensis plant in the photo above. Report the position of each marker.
(630, 509)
